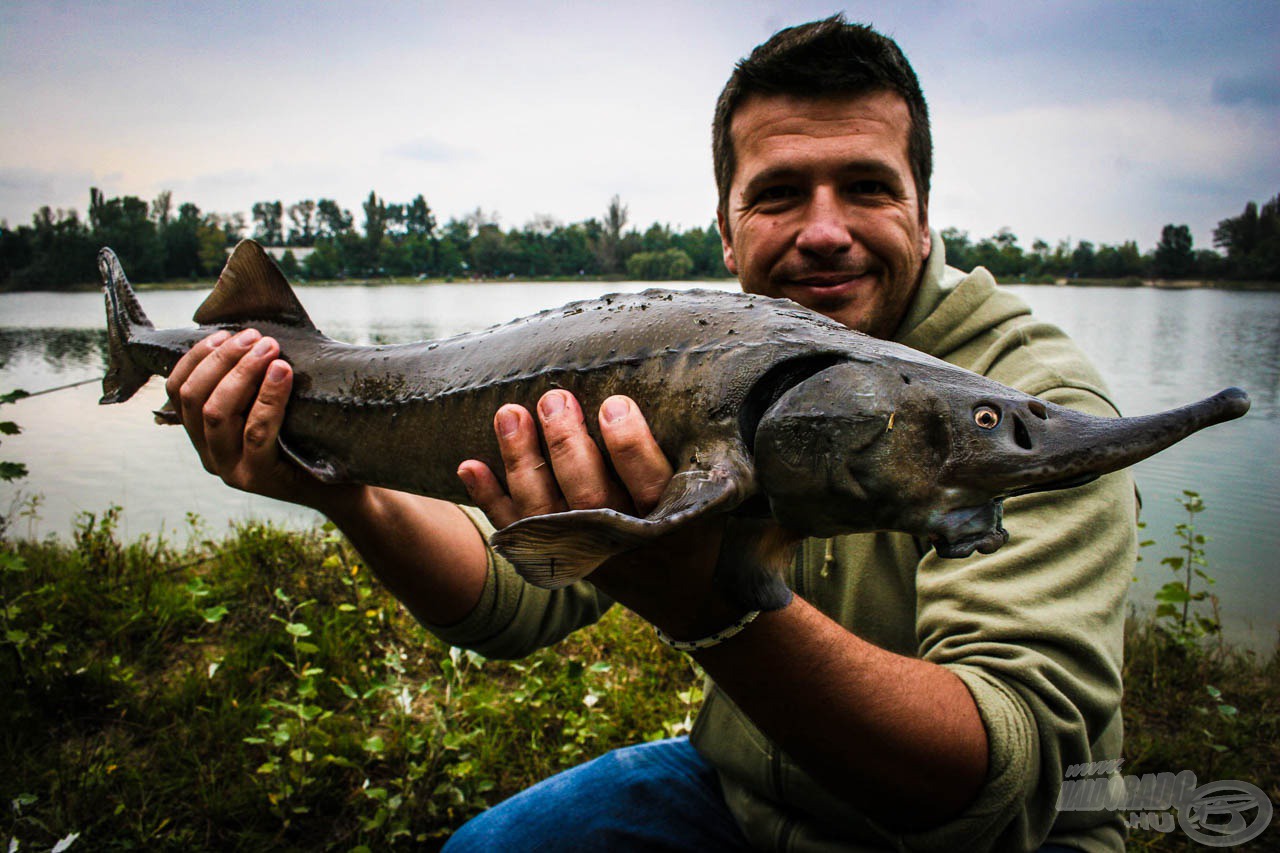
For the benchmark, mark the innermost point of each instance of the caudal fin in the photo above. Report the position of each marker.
(124, 314)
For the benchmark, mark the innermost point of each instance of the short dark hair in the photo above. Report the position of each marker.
(828, 57)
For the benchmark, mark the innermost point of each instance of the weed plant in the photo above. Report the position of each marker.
(264, 692)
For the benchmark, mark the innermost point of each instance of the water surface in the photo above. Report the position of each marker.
(1156, 348)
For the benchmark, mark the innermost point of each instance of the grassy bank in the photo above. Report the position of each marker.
(260, 691)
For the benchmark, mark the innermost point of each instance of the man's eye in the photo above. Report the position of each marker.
(778, 193)
(868, 188)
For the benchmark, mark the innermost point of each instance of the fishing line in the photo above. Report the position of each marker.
(27, 394)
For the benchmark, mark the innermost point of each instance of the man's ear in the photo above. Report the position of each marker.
(926, 238)
(730, 263)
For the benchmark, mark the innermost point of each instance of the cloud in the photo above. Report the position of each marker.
(1108, 171)
(1260, 90)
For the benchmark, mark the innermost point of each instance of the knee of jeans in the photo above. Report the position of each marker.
(476, 834)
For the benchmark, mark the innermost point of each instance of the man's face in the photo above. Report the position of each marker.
(823, 207)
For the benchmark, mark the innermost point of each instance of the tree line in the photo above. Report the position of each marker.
(157, 242)
(1250, 245)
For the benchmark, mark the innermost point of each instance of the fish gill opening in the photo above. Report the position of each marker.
(775, 382)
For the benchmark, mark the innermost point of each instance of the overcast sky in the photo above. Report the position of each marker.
(1081, 120)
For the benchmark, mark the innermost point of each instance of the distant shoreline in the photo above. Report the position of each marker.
(1133, 281)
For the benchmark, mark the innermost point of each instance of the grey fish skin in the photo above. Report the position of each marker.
(768, 411)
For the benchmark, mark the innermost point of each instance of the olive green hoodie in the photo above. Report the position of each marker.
(1034, 630)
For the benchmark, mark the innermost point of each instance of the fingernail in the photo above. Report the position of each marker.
(467, 477)
(276, 372)
(508, 423)
(615, 409)
(551, 405)
(262, 347)
(247, 337)
(217, 339)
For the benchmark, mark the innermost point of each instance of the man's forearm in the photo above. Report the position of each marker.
(899, 737)
(426, 552)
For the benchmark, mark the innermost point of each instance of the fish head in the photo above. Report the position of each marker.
(934, 450)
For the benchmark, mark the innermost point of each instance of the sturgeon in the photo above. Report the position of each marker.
(770, 412)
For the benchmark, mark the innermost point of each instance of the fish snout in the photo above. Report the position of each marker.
(1021, 446)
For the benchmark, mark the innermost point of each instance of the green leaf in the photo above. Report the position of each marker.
(12, 471)
(9, 428)
(12, 563)
(215, 614)
(307, 648)
(298, 629)
(13, 396)
(374, 744)
(1173, 593)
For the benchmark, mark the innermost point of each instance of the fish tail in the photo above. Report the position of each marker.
(124, 315)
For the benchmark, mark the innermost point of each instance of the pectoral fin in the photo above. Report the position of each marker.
(556, 550)
(323, 469)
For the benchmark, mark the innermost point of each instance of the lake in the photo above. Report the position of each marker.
(1156, 348)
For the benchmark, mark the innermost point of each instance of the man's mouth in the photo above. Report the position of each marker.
(827, 280)
(818, 289)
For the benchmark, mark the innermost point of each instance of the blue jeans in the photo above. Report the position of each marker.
(655, 796)
(659, 796)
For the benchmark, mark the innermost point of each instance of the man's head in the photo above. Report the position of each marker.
(823, 159)
(828, 57)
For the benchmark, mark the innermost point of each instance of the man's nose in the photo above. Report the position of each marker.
(824, 231)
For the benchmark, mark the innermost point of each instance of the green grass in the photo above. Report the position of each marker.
(260, 691)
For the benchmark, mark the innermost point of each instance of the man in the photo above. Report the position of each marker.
(897, 700)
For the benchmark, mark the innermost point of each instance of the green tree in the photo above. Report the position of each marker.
(1252, 241)
(659, 266)
(212, 241)
(332, 219)
(125, 225)
(418, 219)
(1174, 257)
(609, 242)
(302, 220)
(959, 249)
(1083, 259)
(375, 232)
(268, 217)
(181, 238)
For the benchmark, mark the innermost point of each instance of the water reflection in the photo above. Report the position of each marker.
(51, 353)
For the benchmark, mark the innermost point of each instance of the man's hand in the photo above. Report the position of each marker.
(230, 394)
(668, 583)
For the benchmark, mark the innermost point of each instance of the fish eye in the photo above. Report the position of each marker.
(986, 417)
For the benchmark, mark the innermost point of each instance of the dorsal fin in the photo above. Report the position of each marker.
(252, 288)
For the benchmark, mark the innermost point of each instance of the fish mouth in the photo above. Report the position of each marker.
(1055, 485)
(962, 531)
(987, 542)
